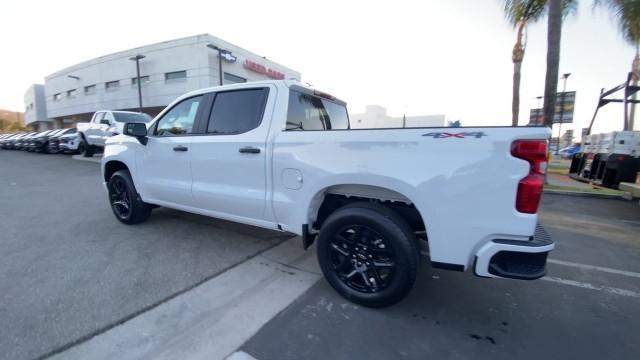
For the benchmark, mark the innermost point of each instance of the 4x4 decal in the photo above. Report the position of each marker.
(460, 135)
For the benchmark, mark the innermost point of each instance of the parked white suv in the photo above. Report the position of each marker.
(282, 156)
(104, 124)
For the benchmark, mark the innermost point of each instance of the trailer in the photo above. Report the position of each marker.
(610, 158)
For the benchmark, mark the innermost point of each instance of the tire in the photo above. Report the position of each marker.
(125, 202)
(368, 254)
(87, 150)
(80, 148)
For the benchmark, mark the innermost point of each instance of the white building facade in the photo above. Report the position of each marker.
(375, 116)
(35, 108)
(167, 70)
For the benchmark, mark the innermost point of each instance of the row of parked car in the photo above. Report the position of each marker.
(64, 141)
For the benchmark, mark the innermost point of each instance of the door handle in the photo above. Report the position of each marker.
(180, 148)
(249, 150)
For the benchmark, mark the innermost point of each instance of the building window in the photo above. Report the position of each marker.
(31, 106)
(89, 90)
(175, 75)
(57, 97)
(72, 93)
(112, 85)
(233, 79)
(143, 80)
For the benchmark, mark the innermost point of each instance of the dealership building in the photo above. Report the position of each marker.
(167, 70)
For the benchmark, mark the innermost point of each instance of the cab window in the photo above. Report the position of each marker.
(308, 112)
(97, 117)
(180, 119)
(237, 112)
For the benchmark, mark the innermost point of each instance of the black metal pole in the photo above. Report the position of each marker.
(561, 118)
(564, 91)
(139, 86)
(220, 65)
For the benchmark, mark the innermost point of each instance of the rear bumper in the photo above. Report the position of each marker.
(515, 259)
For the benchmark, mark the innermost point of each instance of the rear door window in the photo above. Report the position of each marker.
(237, 112)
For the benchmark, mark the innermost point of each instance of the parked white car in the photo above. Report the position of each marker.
(279, 155)
(71, 143)
(104, 124)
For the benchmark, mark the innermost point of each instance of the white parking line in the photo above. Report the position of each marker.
(240, 355)
(212, 320)
(593, 267)
(584, 285)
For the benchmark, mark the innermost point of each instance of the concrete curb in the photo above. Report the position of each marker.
(94, 159)
(584, 194)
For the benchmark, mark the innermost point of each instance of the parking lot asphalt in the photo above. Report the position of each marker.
(168, 288)
(587, 307)
(70, 270)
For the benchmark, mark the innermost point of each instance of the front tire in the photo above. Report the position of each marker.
(87, 150)
(368, 254)
(125, 202)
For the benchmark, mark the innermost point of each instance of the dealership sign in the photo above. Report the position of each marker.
(228, 56)
(565, 102)
(261, 69)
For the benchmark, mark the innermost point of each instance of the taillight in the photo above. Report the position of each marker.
(530, 188)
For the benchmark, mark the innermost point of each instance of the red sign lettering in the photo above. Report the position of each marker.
(261, 69)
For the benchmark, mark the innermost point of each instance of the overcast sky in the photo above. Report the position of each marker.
(415, 57)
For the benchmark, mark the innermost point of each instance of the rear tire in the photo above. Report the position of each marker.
(368, 254)
(125, 202)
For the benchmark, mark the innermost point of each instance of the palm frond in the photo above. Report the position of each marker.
(627, 14)
(529, 11)
(517, 11)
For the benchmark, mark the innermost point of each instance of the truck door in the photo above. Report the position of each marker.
(91, 132)
(229, 161)
(104, 126)
(164, 163)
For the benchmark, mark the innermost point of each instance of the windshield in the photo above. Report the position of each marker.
(125, 117)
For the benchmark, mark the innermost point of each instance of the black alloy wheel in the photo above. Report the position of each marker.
(362, 259)
(126, 203)
(368, 253)
(120, 199)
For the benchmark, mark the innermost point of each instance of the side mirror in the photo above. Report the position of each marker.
(105, 122)
(138, 130)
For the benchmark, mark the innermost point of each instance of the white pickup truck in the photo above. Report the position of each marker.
(282, 156)
(104, 124)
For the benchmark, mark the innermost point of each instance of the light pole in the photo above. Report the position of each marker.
(137, 60)
(564, 90)
(221, 52)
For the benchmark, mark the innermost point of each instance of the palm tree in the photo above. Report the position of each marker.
(627, 13)
(554, 33)
(520, 13)
(557, 10)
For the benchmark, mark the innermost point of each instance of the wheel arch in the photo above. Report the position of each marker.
(111, 166)
(332, 197)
